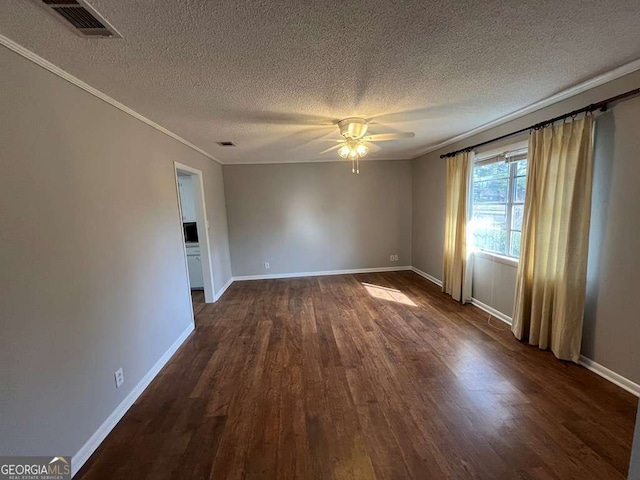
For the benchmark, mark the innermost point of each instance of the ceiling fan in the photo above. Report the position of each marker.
(355, 144)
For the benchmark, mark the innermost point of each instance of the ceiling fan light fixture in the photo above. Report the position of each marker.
(362, 149)
(344, 151)
(354, 144)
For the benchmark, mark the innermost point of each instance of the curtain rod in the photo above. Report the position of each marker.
(602, 106)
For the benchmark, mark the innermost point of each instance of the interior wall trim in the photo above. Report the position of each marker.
(223, 289)
(587, 363)
(38, 60)
(569, 92)
(610, 375)
(272, 276)
(492, 311)
(79, 459)
(427, 276)
(482, 306)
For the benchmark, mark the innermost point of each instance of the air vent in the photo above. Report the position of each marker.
(226, 144)
(81, 17)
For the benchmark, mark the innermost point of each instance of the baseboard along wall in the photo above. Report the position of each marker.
(79, 459)
(585, 362)
(320, 273)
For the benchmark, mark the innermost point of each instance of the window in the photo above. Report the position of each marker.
(499, 185)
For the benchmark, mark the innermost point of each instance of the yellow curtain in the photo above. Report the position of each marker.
(455, 232)
(551, 278)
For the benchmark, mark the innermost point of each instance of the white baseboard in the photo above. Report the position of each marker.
(610, 375)
(492, 311)
(319, 274)
(587, 363)
(482, 306)
(427, 276)
(96, 439)
(223, 289)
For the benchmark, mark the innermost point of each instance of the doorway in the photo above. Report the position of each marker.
(194, 230)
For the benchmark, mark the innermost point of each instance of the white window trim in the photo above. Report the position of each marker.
(496, 257)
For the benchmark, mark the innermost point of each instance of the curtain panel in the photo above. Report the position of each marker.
(551, 278)
(455, 277)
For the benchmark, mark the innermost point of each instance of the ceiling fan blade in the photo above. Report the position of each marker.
(373, 148)
(335, 147)
(430, 111)
(297, 137)
(383, 137)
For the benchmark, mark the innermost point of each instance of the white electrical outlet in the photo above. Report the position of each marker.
(266, 265)
(119, 377)
(395, 258)
(391, 258)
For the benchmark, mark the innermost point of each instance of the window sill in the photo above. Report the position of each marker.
(496, 257)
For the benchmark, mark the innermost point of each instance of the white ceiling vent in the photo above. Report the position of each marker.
(80, 17)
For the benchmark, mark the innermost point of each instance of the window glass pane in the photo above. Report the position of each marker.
(489, 227)
(519, 189)
(491, 215)
(515, 244)
(498, 197)
(491, 191)
(516, 217)
(490, 171)
(521, 168)
(492, 239)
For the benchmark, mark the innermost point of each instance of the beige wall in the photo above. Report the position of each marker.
(318, 216)
(92, 273)
(614, 265)
(612, 316)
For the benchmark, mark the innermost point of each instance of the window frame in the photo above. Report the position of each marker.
(511, 158)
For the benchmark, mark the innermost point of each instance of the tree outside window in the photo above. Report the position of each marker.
(498, 192)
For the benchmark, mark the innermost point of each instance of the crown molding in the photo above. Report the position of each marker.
(38, 60)
(324, 160)
(568, 93)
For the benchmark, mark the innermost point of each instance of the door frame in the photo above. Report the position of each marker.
(203, 229)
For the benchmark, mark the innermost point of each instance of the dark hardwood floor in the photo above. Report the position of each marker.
(359, 377)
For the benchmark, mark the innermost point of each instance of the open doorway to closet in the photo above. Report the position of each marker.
(195, 230)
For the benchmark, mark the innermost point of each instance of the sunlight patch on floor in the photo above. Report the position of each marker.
(386, 293)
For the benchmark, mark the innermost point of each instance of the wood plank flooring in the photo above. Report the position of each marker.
(372, 376)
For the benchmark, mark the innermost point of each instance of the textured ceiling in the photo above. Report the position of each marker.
(272, 75)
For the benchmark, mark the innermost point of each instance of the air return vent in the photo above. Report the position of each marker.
(226, 144)
(80, 17)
